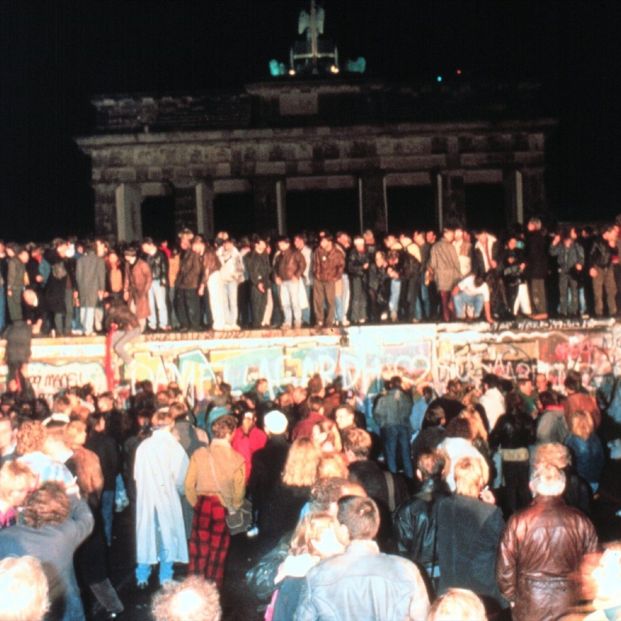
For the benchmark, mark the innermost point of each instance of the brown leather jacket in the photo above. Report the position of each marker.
(328, 265)
(190, 273)
(289, 264)
(541, 548)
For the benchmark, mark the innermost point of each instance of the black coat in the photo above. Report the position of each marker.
(106, 449)
(469, 533)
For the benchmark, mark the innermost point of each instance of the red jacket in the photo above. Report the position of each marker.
(304, 429)
(247, 445)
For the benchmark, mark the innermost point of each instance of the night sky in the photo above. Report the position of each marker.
(56, 54)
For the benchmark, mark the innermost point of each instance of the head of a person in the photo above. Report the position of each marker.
(319, 534)
(326, 436)
(435, 416)
(457, 605)
(8, 432)
(148, 246)
(130, 255)
(581, 424)
(360, 516)
(332, 465)
(283, 243)
(344, 416)
(275, 423)
(489, 381)
(224, 427)
(327, 243)
(369, 237)
(525, 385)
(359, 243)
(16, 480)
(193, 599)
(75, 434)
(23, 589)
(460, 427)
(534, 224)
(30, 437)
(552, 453)
(301, 465)
(448, 234)
(471, 476)
(547, 480)
(431, 465)
(357, 444)
(48, 505)
(326, 492)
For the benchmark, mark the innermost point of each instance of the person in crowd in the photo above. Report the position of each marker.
(445, 268)
(212, 290)
(215, 486)
(512, 434)
(59, 287)
(432, 433)
(192, 599)
(578, 399)
(16, 282)
(469, 530)
(536, 255)
(551, 423)
(343, 288)
(603, 258)
(248, 439)
(231, 276)
(315, 414)
(299, 241)
(570, 259)
(318, 536)
(138, 281)
(24, 591)
(106, 450)
(414, 522)
(90, 276)
(328, 266)
(16, 481)
(358, 263)
(284, 501)
(258, 268)
(326, 437)
(586, 448)
(289, 266)
(577, 491)
(189, 279)
(541, 550)
(53, 527)
(457, 605)
(160, 468)
(513, 268)
(472, 293)
(492, 400)
(115, 277)
(123, 327)
(158, 301)
(363, 583)
(379, 288)
(392, 414)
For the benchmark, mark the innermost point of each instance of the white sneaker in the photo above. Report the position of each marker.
(251, 533)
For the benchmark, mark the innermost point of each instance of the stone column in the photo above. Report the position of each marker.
(372, 202)
(451, 197)
(128, 218)
(534, 193)
(204, 208)
(105, 209)
(265, 191)
(514, 195)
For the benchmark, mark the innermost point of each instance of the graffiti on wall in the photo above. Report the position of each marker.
(363, 357)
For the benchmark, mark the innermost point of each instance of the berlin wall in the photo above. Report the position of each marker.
(429, 353)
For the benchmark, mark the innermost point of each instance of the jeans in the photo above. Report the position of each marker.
(143, 570)
(342, 300)
(230, 289)
(324, 296)
(358, 299)
(461, 299)
(187, 306)
(423, 303)
(306, 312)
(290, 302)
(87, 319)
(107, 513)
(395, 295)
(397, 438)
(120, 339)
(218, 303)
(157, 306)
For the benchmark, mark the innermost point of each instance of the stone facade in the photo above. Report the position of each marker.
(273, 137)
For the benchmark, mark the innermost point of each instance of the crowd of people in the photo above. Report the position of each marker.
(475, 504)
(314, 280)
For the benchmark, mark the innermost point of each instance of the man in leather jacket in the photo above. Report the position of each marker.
(603, 257)
(540, 550)
(414, 522)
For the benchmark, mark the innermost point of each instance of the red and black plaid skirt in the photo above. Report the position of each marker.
(210, 539)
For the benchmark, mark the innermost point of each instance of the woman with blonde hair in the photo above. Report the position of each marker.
(286, 499)
(468, 532)
(317, 536)
(23, 589)
(457, 605)
(331, 466)
(16, 480)
(586, 448)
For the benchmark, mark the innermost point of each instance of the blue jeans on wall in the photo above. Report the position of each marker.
(397, 438)
(462, 299)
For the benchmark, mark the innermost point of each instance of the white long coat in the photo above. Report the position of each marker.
(159, 470)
